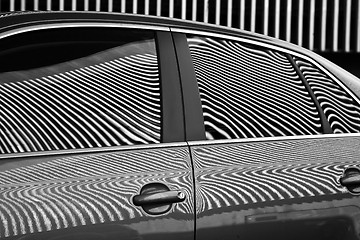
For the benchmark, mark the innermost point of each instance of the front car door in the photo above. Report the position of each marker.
(92, 136)
(280, 154)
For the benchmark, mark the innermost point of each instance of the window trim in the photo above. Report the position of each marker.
(79, 24)
(193, 115)
(324, 121)
(66, 152)
(270, 139)
(172, 118)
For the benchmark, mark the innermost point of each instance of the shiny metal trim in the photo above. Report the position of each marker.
(80, 24)
(270, 46)
(91, 150)
(270, 139)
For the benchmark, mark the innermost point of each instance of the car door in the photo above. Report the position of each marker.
(274, 141)
(92, 133)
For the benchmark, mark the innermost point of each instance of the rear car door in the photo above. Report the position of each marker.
(92, 136)
(275, 146)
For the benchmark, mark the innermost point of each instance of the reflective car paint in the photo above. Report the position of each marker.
(284, 188)
(75, 196)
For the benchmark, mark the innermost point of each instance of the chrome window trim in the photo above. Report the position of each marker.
(9, 156)
(45, 26)
(271, 139)
(270, 46)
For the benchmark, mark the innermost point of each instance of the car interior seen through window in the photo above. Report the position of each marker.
(79, 88)
(249, 91)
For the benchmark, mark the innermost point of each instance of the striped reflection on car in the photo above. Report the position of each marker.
(106, 99)
(342, 112)
(245, 91)
(82, 190)
(272, 173)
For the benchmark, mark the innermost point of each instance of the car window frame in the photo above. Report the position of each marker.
(172, 121)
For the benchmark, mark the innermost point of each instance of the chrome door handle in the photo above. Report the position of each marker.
(351, 180)
(159, 198)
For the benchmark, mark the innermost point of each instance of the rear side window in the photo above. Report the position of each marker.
(247, 91)
(340, 109)
(78, 88)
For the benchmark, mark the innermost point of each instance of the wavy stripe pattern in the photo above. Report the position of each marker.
(88, 189)
(271, 173)
(113, 102)
(247, 92)
(342, 112)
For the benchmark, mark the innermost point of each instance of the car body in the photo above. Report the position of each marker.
(117, 126)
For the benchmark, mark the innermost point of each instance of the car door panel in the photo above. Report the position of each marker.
(75, 195)
(114, 100)
(279, 187)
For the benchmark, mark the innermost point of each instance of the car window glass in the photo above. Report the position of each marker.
(78, 88)
(340, 109)
(247, 91)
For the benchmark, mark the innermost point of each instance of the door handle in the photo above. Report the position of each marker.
(351, 180)
(159, 198)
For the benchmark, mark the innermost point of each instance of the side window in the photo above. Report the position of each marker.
(78, 88)
(340, 109)
(247, 91)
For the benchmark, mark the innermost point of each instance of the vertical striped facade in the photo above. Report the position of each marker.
(320, 25)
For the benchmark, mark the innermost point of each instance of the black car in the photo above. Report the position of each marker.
(118, 126)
